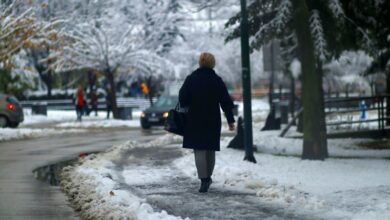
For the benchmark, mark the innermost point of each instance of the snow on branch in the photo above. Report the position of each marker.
(158, 24)
(318, 36)
(22, 29)
(275, 26)
(338, 12)
(288, 48)
(336, 8)
(283, 15)
(107, 48)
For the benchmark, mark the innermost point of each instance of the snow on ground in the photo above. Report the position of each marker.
(353, 117)
(269, 142)
(260, 109)
(52, 116)
(337, 188)
(64, 115)
(67, 119)
(65, 123)
(7, 134)
(93, 190)
(102, 123)
(354, 183)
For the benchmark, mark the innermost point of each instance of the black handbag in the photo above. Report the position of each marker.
(176, 120)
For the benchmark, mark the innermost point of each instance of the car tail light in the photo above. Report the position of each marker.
(11, 106)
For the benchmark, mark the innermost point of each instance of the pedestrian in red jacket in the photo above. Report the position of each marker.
(80, 102)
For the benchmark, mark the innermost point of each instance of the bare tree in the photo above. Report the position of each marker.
(109, 49)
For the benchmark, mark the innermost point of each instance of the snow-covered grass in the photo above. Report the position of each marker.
(269, 142)
(67, 119)
(260, 109)
(65, 122)
(7, 134)
(349, 117)
(52, 116)
(102, 123)
(335, 188)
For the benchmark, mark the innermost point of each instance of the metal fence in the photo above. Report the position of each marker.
(346, 112)
(353, 106)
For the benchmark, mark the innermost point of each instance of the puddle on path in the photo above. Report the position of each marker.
(51, 173)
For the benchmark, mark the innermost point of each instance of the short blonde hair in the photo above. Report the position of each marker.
(207, 60)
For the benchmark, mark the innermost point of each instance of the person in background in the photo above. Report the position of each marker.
(363, 108)
(133, 89)
(108, 102)
(86, 107)
(144, 89)
(203, 93)
(79, 102)
(94, 101)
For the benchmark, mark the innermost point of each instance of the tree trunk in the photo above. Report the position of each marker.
(49, 83)
(4, 80)
(149, 83)
(300, 123)
(313, 120)
(388, 98)
(91, 80)
(372, 88)
(111, 81)
(324, 144)
(292, 96)
(272, 76)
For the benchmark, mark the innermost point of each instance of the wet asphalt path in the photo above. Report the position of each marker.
(22, 197)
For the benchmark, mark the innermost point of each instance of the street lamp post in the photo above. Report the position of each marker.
(246, 85)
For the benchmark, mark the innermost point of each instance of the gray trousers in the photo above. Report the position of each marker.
(204, 161)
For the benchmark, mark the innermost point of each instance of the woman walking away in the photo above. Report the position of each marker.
(202, 93)
(80, 102)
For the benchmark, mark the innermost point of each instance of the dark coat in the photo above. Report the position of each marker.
(203, 92)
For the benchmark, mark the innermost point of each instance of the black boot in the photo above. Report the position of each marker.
(205, 185)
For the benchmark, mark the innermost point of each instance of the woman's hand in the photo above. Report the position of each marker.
(232, 127)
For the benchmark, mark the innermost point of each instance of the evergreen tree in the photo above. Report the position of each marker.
(323, 31)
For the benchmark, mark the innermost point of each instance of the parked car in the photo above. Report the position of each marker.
(158, 113)
(11, 112)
